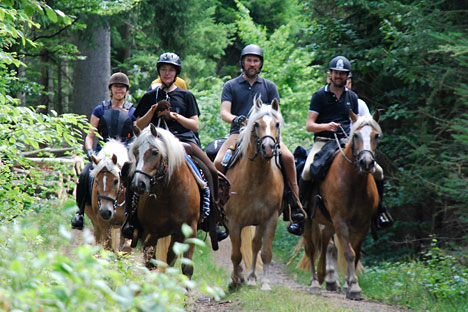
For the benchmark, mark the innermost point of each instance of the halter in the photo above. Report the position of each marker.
(113, 200)
(160, 172)
(258, 142)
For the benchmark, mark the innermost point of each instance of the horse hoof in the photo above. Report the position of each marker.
(251, 282)
(265, 287)
(354, 296)
(333, 287)
(314, 290)
(134, 239)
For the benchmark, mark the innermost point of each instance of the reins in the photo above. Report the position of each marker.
(354, 154)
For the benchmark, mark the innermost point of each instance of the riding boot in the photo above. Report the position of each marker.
(129, 225)
(384, 219)
(305, 189)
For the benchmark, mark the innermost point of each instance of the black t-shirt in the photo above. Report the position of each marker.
(241, 94)
(182, 102)
(331, 109)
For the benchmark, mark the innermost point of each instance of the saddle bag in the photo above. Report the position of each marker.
(213, 147)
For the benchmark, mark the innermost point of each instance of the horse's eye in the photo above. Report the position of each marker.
(154, 152)
(116, 181)
(377, 137)
(256, 125)
(277, 125)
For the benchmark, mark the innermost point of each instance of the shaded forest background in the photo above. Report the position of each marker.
(409, 59)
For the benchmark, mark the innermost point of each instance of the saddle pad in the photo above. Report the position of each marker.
(201, 182)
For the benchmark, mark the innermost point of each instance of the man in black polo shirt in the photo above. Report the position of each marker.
(236, 101)
(328, 114)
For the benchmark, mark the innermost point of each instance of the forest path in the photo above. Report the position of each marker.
(279, 277)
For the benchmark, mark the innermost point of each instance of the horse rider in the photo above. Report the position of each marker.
(113, 118)
(329, 115)
(181, 119)
(236, 101)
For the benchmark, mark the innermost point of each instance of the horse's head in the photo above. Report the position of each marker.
(156, 153)
(106, 175)
(262, 130)
(364, 138)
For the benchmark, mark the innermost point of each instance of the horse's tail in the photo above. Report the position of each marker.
(342, 264)
(305, 263)
(247, 236)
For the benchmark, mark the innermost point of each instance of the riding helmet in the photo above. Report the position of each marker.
(118, 78)
(340, 63)
(171, 59)
(251, 49)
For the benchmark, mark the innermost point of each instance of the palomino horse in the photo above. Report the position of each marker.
(256, 190)
(169, 193)
(350, 196)
(108, 195)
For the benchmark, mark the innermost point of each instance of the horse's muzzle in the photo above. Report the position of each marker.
(106, 214)
(267, 148)
(366, 162)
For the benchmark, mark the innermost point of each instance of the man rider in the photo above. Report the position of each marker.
(328, 115)
(236, 101)
(112, 118)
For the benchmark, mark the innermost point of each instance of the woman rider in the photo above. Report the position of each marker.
(112, 118)
(181, 118)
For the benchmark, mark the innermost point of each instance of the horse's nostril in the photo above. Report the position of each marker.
(141, 186)
(105, 214)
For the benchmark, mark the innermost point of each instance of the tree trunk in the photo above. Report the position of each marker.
(90, 76)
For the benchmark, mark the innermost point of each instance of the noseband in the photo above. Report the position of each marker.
(258, 142)
(355, 155)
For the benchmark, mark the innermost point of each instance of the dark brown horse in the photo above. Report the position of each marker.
(350, 196)
(108, 195)
(256, 191)
(169, 194)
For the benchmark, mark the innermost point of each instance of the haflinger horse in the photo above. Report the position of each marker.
(350, 197)
(256, 191)
(108, 195)
(169, 193)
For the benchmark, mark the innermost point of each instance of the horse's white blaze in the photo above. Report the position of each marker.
(366, 132)
(104, 182)
(141, 153)
(268, 119)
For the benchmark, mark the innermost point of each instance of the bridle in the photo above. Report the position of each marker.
(160, 172)
(355, 155)
(258, 142)
(113, 200)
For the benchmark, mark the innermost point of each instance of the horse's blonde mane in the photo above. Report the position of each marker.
(365, 121)
(111, 147)
(166, 143)
(254, 115)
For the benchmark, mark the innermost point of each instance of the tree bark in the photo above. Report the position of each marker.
(90, 76)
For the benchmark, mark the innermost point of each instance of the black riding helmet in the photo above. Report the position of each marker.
(340, 63)
(251, 49)
(171, 59)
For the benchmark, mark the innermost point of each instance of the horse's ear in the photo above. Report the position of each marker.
(353, 116)
(154, 131)
(95, 160)
(376, 115)
(275, 104)
(258, 103)
(136, 130)
(114, 159)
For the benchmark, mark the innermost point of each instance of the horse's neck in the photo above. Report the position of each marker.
(349, 172)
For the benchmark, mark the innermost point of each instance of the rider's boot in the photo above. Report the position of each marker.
(81, 197)
(128, 227)
(384, 219)
(298, 214)
(78, 220)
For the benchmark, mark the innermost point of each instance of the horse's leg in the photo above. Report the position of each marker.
(236, 257)
(256, 245)
(311, 239)
(332, 280)
(149, 251)
(354, 291)
(269, 235)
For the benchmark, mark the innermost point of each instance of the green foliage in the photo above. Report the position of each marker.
(41, 270)
(21, 130)
(437, 282)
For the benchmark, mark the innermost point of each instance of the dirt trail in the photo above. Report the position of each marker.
(279, 277)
